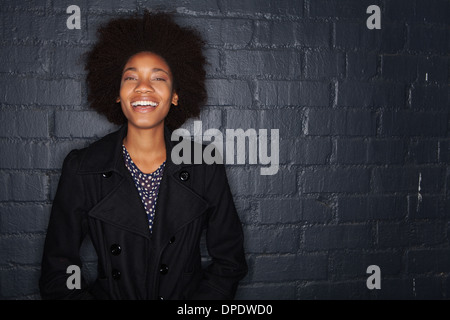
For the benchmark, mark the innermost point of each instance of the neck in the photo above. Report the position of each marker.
(146, 147)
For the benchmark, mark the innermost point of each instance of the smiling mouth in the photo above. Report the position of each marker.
(144, 104)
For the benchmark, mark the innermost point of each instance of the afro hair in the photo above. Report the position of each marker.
(121, 38)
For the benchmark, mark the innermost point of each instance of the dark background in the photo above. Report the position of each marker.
(364, 128)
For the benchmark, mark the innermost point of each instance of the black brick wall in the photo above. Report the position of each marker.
(363, 116)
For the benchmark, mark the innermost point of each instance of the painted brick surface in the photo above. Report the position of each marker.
(363, 118)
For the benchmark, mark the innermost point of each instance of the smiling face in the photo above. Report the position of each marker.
(146, 91)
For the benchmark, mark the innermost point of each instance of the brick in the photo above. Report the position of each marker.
(429, 98)
(250, 182)
(361, 65)
(423, 151)
(61, 148)
(242, 119)
(24, 155)
(324, 64)
(236, 32)
(230, 32)
(280, 211)
(24, 218)
(353, 35)
(287, 121)
(290, 267)
(428, 39)
(412, 288)
(28, 187)
(113, 5)
(340, 9)
(5, 189)
(427, 207)
(340, 122)
(370, 94)
(274, 33)
(351, 265)
(313, 34)
(59, 92)
(407, 179)
(335, 290)
(286, 211)
(393, 38)
(24, 123)
(387, 151)
(433, 11)
(214, 66)
(66, 60)
(309, 34)
(82, 124)
(433, 69)
(372, 151)
(324, 180)
(22, 59)
(350, 151)
(413, 123)
(272, 240)
(49, 92)
(293, 93)
(278, 63)
(228, 92)
(14, 187)
(18, 249)
(210, 119)
(444, 151)
(35, 26)
(19, 282)
(360, 209)
(422, 261)
(310, 150)
(404, 234)
(330, 237)
(400, 67)
(317, 210)
(261, 7)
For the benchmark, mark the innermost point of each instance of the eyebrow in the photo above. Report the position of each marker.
(153, 70)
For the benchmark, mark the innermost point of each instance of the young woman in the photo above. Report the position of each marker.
(144, 214)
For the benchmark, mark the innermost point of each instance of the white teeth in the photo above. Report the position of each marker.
(144, 103)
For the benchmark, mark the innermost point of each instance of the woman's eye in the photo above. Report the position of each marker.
(129, 78)
(160, 79)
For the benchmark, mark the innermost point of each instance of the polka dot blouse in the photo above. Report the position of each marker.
(147, 185)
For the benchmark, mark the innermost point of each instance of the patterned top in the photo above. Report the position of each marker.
(147, 185)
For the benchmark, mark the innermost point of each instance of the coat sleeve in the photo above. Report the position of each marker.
(65, 233)
(224, 240)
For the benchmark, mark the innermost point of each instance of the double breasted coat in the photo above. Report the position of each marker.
(96, 195)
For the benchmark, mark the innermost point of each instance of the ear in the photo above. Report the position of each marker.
(118, 99)
(175, 99)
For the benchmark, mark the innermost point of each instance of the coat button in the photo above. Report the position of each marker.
(115, 274)
(184, 175)
(163, 269)
(172, 240)
(107, 174)
(116, 249)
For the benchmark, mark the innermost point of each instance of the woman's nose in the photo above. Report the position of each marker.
(144, 86)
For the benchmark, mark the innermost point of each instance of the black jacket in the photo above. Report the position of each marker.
(96, 195)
